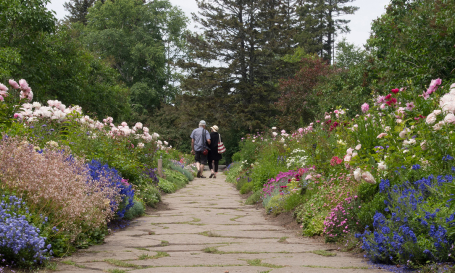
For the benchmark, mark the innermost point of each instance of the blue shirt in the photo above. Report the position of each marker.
(199, 144)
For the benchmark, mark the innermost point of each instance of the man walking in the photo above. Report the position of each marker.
(198, 145)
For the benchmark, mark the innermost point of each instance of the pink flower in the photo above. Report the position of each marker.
(396, 90)
(450, 118)
(368, 177)
(358, 147)
(410, 106)
(365, 107)
(3, 87)
(13, 84)
(1, 98)
(381, 135)
(124, 124)
(24, 85)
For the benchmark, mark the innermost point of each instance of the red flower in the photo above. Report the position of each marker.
(396, 90)
(388, 97)
(391, 101)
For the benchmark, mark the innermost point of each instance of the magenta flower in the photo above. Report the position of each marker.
(365, 107)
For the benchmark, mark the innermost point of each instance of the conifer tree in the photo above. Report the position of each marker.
(319, 21)
(239, 55)
(78, 10)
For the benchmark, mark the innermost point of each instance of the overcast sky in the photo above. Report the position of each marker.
(360, 22)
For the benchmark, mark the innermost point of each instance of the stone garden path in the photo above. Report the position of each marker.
(205, 228)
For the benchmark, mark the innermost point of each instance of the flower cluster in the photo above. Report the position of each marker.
(20, 242)
(341, 218)
(57, 176)
(110, 177)
(411, 235)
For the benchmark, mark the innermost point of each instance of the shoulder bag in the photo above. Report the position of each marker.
(221, 148)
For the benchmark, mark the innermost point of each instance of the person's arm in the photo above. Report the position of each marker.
(192, 145)
(208, 138)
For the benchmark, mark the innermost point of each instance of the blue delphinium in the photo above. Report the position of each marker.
(20, 242)
(97, 170)
(411, 235)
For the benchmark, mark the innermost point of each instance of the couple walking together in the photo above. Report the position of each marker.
(201, 141)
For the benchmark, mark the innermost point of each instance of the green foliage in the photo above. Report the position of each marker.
(137, 210)
(414, 40)
(233, 172)
(166, 186)
(369, 209)
(181, 170)
(179, 179)
(254, 198)
(246, 188)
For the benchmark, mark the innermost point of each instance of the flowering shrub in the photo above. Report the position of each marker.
(20, 242)
(56, 184)
(110, 176)
(341, 219)
(415, 233)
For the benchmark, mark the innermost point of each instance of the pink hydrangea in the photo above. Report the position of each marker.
(365, 107)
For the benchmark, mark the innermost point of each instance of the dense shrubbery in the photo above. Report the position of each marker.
(382, 174)
(74, 175)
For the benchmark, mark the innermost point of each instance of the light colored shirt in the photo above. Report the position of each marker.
(199, 144)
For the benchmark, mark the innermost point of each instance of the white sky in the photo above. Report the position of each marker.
(360, 22)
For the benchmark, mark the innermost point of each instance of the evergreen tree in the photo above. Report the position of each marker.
(78, 10)
(238, 57)
(318, 20)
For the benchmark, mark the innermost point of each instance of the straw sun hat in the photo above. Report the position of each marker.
(214, 128)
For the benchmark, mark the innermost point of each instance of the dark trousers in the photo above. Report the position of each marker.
(211, 165)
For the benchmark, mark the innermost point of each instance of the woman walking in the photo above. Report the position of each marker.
(214, 157)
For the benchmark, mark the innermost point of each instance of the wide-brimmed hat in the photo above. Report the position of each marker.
(202, 122)
(214, 128)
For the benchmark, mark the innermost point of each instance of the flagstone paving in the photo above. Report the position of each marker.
(206, 228)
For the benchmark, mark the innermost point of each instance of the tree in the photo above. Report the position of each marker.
(298, 101)
(414, 41)
(78, 10)
(132, 37)
(318, 19)
(238, 57)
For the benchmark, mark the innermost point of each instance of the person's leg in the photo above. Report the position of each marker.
(216, 168)
(197, 158)
(203, 162)
(211, 168)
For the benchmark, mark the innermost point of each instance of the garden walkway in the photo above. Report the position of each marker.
(206, 228)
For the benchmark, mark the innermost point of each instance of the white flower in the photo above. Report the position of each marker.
(358, 147)
(327, 117)
(412, 141)
(138, 125)
(431, 118)
(450, 118)
(354, 154)
(347, 158)
(273, 128)
(341, 142)
(438, 126)
(140, 145)
(382, 166)
(349, 151)
(387, 128)
(165, 143)
(404, 133)
(274, 134)
(358, 174)
(52, 143)
(368, 177)
(437, 112)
